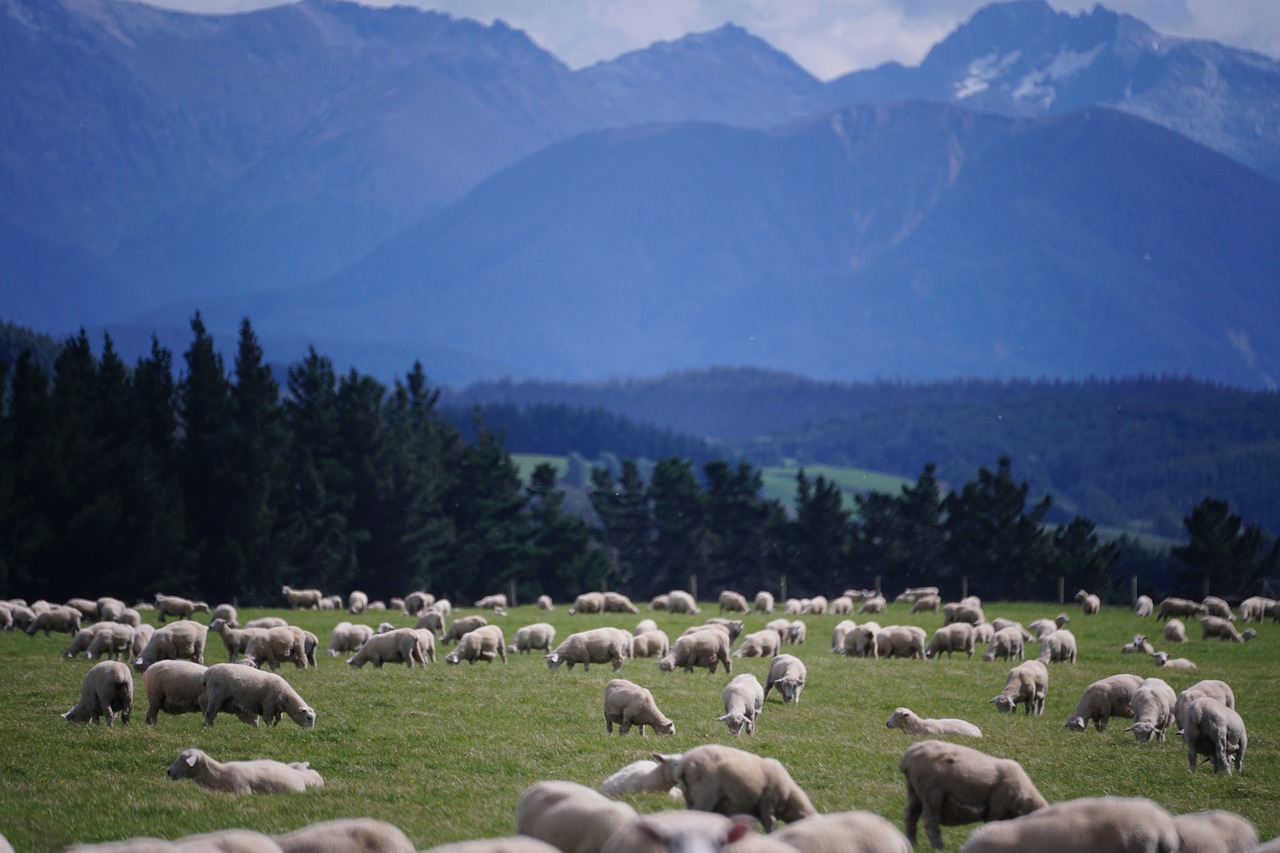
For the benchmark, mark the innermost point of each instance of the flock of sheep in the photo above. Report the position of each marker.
(947, 783)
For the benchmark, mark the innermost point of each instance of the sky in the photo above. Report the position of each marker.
(828, 37)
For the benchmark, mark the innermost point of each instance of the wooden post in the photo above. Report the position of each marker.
(512, 596)
(1133, 592)
(693, 586)
(878, 592)
(1062, 590)
(964, 587)
(782, 589)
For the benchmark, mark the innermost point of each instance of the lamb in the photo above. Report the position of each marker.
(839, 632)
(1211, 728)
(235, 640)
(900, 641)
(645, 776)
(598, 645)
(906, 720)
(175, 605)
(1085, 825)
(628, 704)
(764, 602)
(616, 602)
(1255, 608)
(1089, 603)
(844, 832)
(796, 633)
(679, 601)
(743, 699)
(401, 645)
(107, 688)
(261, 776)
(708, 648)
(484, 643)
(182, 640)
(1103, 699)
(956, 637)
(462, 626)
(545, 603)
(347, 637)
(1216, 831)
(930, 603)
(347, 835)
(539, 636)
(1143, 606)
(357, 601)
(732, 781)
(1058, 647)
(787, 673)
(1028, 683)
(1216, 626)
(1214, 606)
(951, 785)
(1175, 632)
(497, 601)
(650, 644)
(733, 602)
(1214, 689)
(1163, 659)
(1005, 643)
(1180, 607)
(64, 620)
(758, 644)
(239, 689)
(1152, 705)
(569, 816)
(273, 646)
(302, 599)
(1138, 646)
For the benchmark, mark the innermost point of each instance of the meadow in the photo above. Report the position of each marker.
(445, 752)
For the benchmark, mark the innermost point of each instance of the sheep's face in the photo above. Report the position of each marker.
(1161, 658)
(667, 664)
(664, 728)
(734, 721)
(1142, 731)
(553, 660)
(305, 717)
(451, 658)
(1076, 724)
(1004, 704)
(73, 716)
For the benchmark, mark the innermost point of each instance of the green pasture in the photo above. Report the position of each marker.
(444, 753)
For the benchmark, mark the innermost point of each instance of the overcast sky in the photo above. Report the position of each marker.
(829, 37)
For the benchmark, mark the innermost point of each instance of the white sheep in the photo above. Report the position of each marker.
(679, 601)
(758, 644)
(838, 634)
(1215, 831)
(1212, 688)
(616, 602)
(274, 646)
(1138, 646)
(787, 673)
(227, 613)
(598, 645)
(484, 643)
(1085, 825)
(1000, 623)
(708, 649)
(357, 601)
(347, 637)
(645, 776)
(1212, 729)
(732, 781)
(764, 602)
(461, 626)
(588, 602)
(931, 603)
(1028, 683)
(627, 704)
(861, 641)
(843, 832)
(177, 687)
(176, 605)
(107, 688)
(680, 831)
(1175, 632)
(1143, 606)
(502, 844)
(302, 599)
(962, 611)
(956, 637)
(1255, 608)
(900, 641)
(1005, 643)
(1217, 626)
(401, 645)
(1163, 659)
(346, 835)
(907, 720)
(841, 606)
(496, 601)
(113, 639)
(539, 636)
(431, 620)
(650, 644)
(733, 602)
(267, 622)
(235, 640)
(743, 699)
(874, 604)
(545, 603)
(951, 785)
(796, 633)
(236, 689)
(182, 640)
(1103, 699)
(1058, 647)
(1089, 603)
(816, 606)
(1217, 607)
(58, 618)
(571, 817)
(1152, 705)
(260, 776)
(1180, 607)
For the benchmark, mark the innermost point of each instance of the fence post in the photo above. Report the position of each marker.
(964, 586)
(693, 586)
(1062, 591)
(1133, 592)
(513, 593)
(878, 592)
(782, 588)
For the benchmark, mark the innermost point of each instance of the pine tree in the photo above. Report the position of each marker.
(563, 560)
(747, 531)
(681, 540)
(626, 527)
(1223, 554)
(821, 537)
(32, 534)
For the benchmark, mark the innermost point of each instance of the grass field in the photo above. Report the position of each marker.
(445, 752)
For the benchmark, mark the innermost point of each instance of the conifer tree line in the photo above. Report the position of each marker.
(206, 479)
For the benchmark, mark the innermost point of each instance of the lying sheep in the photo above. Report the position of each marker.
(1212, 729)
(107, 688)
(764, 602)
(1152, 705)
(260, 776)
(1058, 647)
(1086, 825)
(1138, 646)
(706, 649)
(175, 605)
(347, 637)
(731, 781)
(346, 835)
(1103, 699)
(951, 785)
(1215, 831)
(302, 599)
(461, 627)
(177, 687)
(758, 644)
(64, 620)
(1175, 632)
(571, 817)
(598, 645)
(484, 643)
(1163, 659)
(645, 776)
(1180, 607)
(787, 673)
(1089, 603)
(401, 645)
(1216, 626)
(743, 699)
(1028, 683)
(1143, 606)
(502, 844)
(628, 704)
(182, 640)
(539, 636)
(956, 637)
(1211, 688)
(650, 644)
(236, 689)
(1006, 643)
(843, 832)
(907, 720)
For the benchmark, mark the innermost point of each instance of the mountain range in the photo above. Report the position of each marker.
(1044, 195)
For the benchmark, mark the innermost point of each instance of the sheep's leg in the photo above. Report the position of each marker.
(932, 825)
(1192, 755)
(911, 815)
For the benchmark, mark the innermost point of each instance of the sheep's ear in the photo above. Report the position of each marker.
(191, 760)
(1130, 728)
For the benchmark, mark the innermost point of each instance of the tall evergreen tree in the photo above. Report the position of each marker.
(31, 534)
(563, 560)
(902, 537)
(821, 538)
(681, 540)
(626, 526)
(746, 542)
(1083, 560)
(1223, 554)
(360, 421)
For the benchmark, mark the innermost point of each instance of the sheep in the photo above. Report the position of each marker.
(235, 640)
(732, 602)
(401, 645)
(88, 609)
(1152, 705)
(569, 816)
(628, 704)
(461, 626)
(816, 606)
(758, 644)
(261, 776)
(1216, 626)
(227, 613)
(182, 640)
(1028, 683)
(502, 844)
(1005, 643)
(900, 641)
(764, 602)
(1089, 603)
(1137, 646)
(951, 785)
(274, 646)
(645, 776)
(347, 637)
(177, 687)
(174, 605)
(960, 611)
(243, 690)
(1041, 628)
(331, 602)
(796, 633)
(484, 643)
(956, 637)
(81, 639)
(1143, 606)
(1254, 608)
(679, 601)
(141, 636)
(107, 688)
(1216, 831)
(787, 673)
(1103, 699)
(1000, 623)
(930, 603)
(861, 641)
(357, 601)
(844, 832)
(743, 699)
(64, 620)
(1058, 647)
(705, 648)
(732, 781)
(915, 593)
(682, 831)
(792, 606)
(302, 599)
(598, 645)
(416, 602)
(875, 604)
(1163, 659)
(497, 601)
(1214, 606)
(616, 602)
(1212, 729)
(545, 603)
(430, 620)
(1085, 825)
(1180, 607)
(839, 632)
(540, 636)
(841, 606)
(112, 639)
(660, 602)
(267, 622)
(1175, 632)
(346, 835)
(650, 644)
(588, 602)
(1214, 689)
(780, 626)
(907, 720)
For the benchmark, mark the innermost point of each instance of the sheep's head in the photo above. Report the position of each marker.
(1143, 731)
(1161, 658)
(734, 721)
(305, 717)
(1004, 704)
(664, 727)
(553, 660)
(666, 664)
(1076, 724)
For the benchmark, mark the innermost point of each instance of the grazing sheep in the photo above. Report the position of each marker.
(416, 602)
(1163, 659)
(816, 606)
(843, 832)
(177, 687)
(347, 637)
(1041, 628)
(861, 641)
(538, 636)
(707, 648)
(545, 603)
(598, 645)
(1028, 683)
(1089, 603)
(660, 602)
(107, 688)
(174, 605)
(683, 831)
(88, 609)
(431, 620)
(236, 640)
(906, 719)
(497, 601)
(731, 781)
(571, 817)
(792, 606)
(302, 599)
(64, 620)
(787, 673)
(645, 776)
(1255, 608)
(628, 704)
(956, 637)
(267, 622)
(1138, 646)
(764, 602)
(236, 689)
(1211, 688)
(357, 602)
(461, 626)
(1152, 705)
(841, 606)
(743, 701)
(274, 646)
(1214, 606)
(588, 602)
(1216, 626)
(758, 644)
(1103, 699)
(1175, 632)
(113, 639)
(839, 632)
(900, 641)
(961, 611)
(1005, 643)
(644, 626)
(733, 602)
(503, 844)
(81, 639)
(1211, 728)
(1180, 607)
(616, 602)
(347, 835)
(401, 645)
(261, 776)
(930, 603)
(1216, 831)
(650, 644)
(227, 613)
(1143, 606)
(679, 601)
(796, 633)
(875, 604)
(484, 643)
(1086, 825)
(182, 640)
(951, 785)
(1058, 647)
